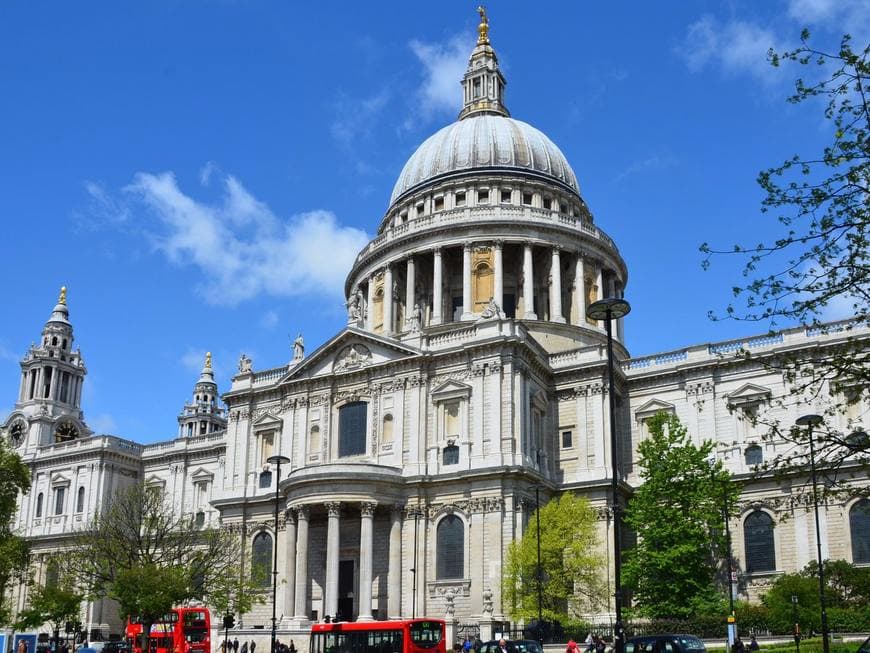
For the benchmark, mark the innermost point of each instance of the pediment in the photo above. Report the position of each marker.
(59, 478)
(652, 407)
(450, 390)
(350, 350)
(748, 394)
(267, 421)
(153, 480)
(202, 474)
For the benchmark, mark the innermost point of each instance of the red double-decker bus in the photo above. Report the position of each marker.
(406, 636)
(183, 630)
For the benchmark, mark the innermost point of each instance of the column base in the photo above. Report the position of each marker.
(435, 320)
(467, 317)
(530, 316)
(560, 320)
(363, 617)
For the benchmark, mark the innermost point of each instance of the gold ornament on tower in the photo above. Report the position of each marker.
(208, 359)
(62, 298)
(483, 28)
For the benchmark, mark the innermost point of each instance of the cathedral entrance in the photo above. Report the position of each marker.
(345, 590)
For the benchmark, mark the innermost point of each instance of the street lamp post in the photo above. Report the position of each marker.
(277, 461)
(810, 421)
(609, 309)
(539, 570)
(732, 622)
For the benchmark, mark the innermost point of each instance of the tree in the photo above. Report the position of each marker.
(820, 259)
(14, 556)
(570, 567)
(149, 559)
(51, 604)
(677, 514)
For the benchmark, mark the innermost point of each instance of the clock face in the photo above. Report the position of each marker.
(16, 434)
(65, 432)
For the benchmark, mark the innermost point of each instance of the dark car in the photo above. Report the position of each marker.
(865, 647)
(665, 644)
(513, 645)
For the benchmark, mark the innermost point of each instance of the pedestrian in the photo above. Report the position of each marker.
(292, 648)
(590, 642)
(753, 643)
(466, 645)
(600, 645)
(236, 645)
(738, 646)
(571, 647)
(252, 646)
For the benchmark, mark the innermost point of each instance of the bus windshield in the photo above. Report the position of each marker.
(425, 633)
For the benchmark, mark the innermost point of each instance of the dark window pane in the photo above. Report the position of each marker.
(754, 455)
(80, 502)
(265, 479)
(450, 548)
(451, 455)
(859, 526)
(39, 505)
(759, 544)
(352, 429)
(261, 559)
(566, 439)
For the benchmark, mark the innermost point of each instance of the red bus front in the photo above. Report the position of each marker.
(405, 636)
(195, 629)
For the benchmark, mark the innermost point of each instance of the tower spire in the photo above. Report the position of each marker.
(483, 84)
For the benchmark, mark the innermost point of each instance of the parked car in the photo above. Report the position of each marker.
(865, 647)
(665, 644)
(514, 646)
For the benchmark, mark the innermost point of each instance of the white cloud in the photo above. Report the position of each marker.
(850, 16)
(241, 249)
(206, 172)
(444, 65)
(103, 423)
(269, 320)
(193, 360)
(654, 162)
(354, 119)
(735, 46)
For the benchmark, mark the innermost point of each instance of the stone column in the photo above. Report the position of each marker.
(330, 598)
(556, 287)
(290, 571)
(498, 286)
(580, 290)
(370, 304)
(301, 594)
(528, 284)
(599, 294)
(394, 571)
(409, 291)
(620, 326)
(437, 299)
(366, 545)
(388, 302)
(466, 282)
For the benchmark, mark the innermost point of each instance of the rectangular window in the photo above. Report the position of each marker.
(483, 197)
(451, 455)
(548, 203)
(460, 199)
(419, 209)
(64, 387)
(527, 199)
(566, 439)
(439, 203)
(59, 495)
(505, 197)
(352, 429)
(267, 443)
(451, 419)
(46, 385)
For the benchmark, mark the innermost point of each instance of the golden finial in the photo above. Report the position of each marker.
(62, 298)
(483, 28)
(208, 359)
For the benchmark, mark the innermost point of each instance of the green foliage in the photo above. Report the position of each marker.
(148, 558)
(677, 514)
(14, 553)
(571, 570)
(50, 604)
(821, 256)
(847, 598)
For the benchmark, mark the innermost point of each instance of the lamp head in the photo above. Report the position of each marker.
(278, 460)
(611, 308)
(809, 420)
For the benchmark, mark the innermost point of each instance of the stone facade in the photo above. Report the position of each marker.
(468, 373)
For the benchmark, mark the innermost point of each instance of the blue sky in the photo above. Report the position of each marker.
(201, 174)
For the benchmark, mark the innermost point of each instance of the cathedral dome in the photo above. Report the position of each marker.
(485, 142)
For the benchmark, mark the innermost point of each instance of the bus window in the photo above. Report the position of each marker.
(426, 634)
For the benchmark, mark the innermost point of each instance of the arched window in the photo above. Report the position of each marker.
(758, 541)
(450, 455)
(450, 548)
(314, 440)
(753, 455)
(199, 520)
(80, 500)
(387, 433)
(39, 505)
(859, 527)
(261, 559)
(352, 429)
(265, 479)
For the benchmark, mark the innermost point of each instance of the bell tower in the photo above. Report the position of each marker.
(203, 414)
(48, 410)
